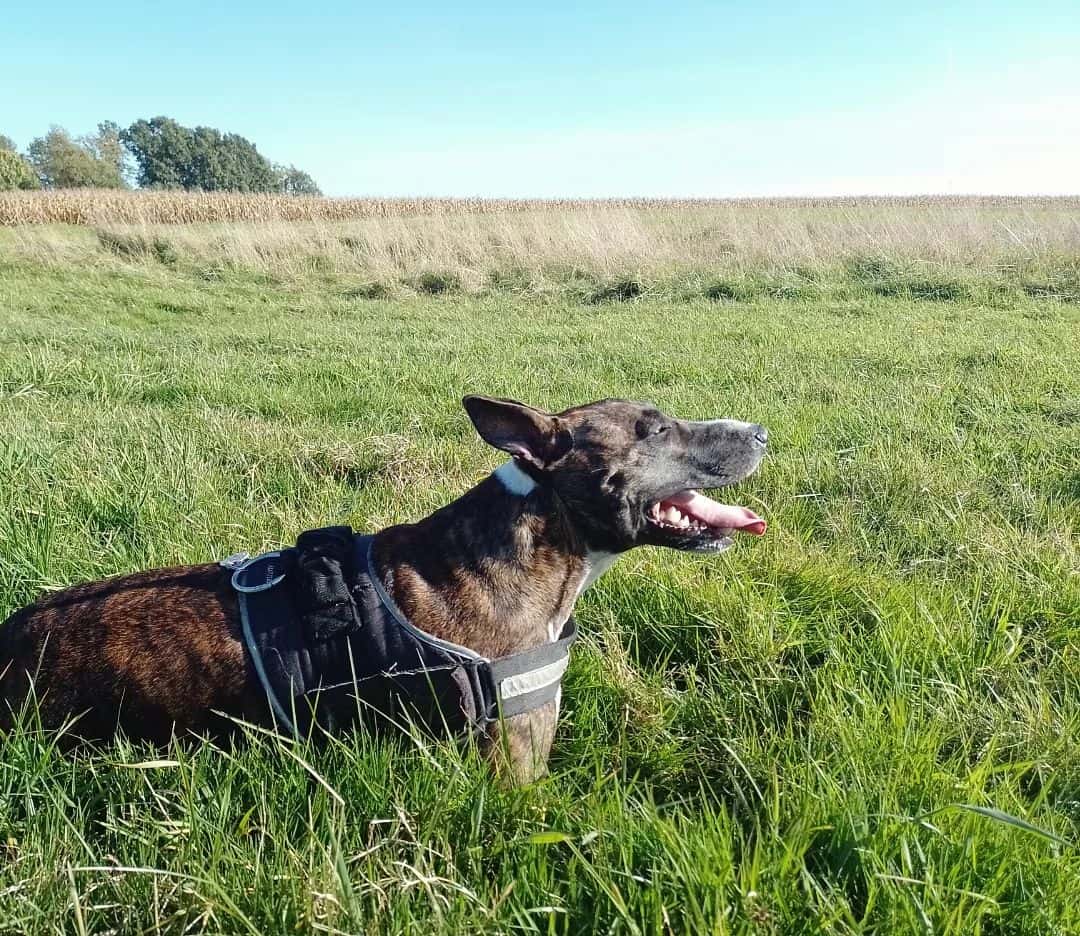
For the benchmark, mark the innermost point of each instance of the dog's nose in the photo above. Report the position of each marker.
(760, 433)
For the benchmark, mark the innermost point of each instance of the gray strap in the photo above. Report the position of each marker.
(256, 659)
(538, 657)
(365, 544)
(530, 679)
(527, 701)
(253, 576)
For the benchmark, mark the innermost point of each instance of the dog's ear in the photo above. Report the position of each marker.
(525, 432)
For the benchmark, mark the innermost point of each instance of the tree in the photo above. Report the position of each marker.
(293, 181)
(16, 172)
(227, 162)
(170, 155)
(108, 148)
(94, 161)
(7, 145)
(162, 150)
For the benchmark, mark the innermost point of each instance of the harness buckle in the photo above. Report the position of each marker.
(270, 581)
(235, 561)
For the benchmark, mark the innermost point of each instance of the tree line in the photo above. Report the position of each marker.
(158, 154)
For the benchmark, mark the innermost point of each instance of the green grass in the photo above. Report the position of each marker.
(866, 722)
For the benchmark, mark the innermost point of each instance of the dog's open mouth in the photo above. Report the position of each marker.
(690, 520)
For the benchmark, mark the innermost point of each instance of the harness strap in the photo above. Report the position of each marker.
(365, 553)
(527, 680)
(246, 581)
(318, 651)
(515, 684)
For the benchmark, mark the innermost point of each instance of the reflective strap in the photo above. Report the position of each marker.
(533, 679)
(527, 680)
(529, 702)
(537, 657)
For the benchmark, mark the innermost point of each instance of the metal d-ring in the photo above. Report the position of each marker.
(238, 584)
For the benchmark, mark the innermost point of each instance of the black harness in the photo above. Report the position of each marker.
(331, 648)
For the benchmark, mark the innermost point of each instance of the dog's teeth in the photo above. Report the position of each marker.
(671, 515)
(684, 521)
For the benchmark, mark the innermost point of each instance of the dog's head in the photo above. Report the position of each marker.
(628, 474)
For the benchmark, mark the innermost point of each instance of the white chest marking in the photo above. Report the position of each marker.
(518, 482)
(514, 479)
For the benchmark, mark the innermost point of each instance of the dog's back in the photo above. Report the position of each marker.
(143, 652)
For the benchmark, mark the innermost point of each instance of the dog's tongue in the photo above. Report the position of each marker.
(725, 516)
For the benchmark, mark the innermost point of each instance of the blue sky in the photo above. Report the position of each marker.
(590, 99)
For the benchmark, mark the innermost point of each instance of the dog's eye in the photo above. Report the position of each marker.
(659, 429)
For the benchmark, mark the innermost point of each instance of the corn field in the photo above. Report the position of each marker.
(104, 206)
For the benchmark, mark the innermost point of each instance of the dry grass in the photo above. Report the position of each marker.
(99, 206)
(605, 249)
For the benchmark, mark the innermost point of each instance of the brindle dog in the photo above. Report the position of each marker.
(159, 653)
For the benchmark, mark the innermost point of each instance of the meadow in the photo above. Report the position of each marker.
(867, 721)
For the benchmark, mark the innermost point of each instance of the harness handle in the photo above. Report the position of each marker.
(251, 564)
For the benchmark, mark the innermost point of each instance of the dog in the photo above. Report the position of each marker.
(162, 653)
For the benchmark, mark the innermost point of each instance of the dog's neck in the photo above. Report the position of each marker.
(498, 570)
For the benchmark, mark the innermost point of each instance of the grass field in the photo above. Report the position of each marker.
(866, 722)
